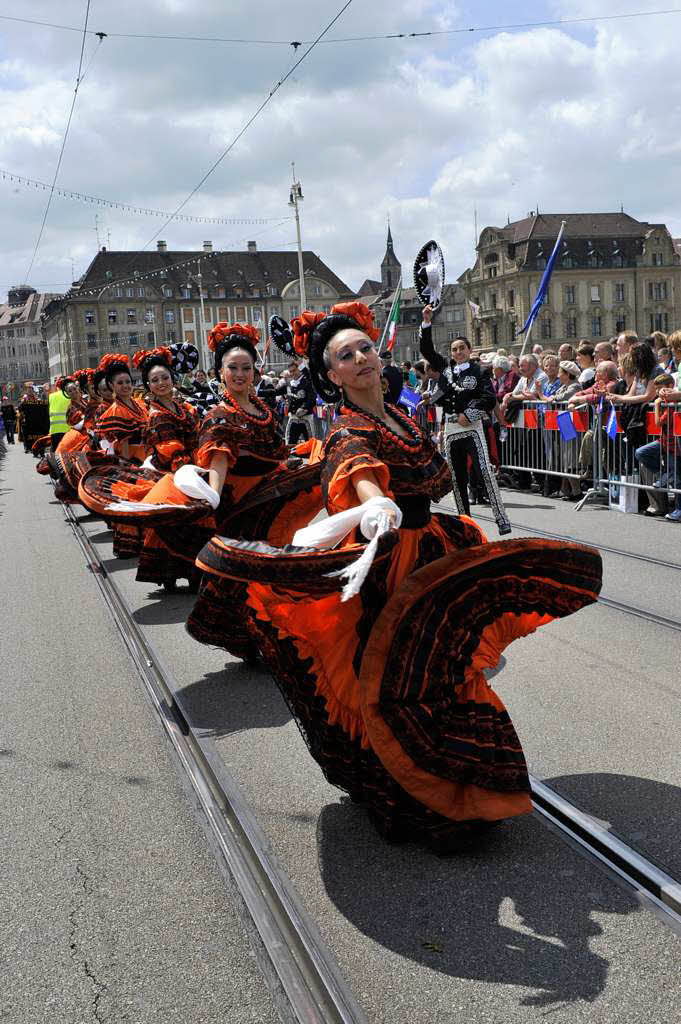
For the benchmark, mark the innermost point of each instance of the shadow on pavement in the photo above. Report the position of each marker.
(101, 538)
(164, 608)
(236, 699)
(642, 812)
(517, 912)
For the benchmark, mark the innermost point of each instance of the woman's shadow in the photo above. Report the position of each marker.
(516, 911)
(238, 698)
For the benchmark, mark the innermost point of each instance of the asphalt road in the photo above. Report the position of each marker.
(111, 905)
(525, 929)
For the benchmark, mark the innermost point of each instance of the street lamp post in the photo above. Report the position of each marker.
(295, 197)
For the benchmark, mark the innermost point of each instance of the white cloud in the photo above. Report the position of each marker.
(423, 130)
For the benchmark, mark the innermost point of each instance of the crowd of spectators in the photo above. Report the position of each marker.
(631, 374)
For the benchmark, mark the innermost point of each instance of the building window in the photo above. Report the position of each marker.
(495, 334)
(511, 298)
(545, 329)
(451, 335)
(131, 316)
(140, 292)
(256, 314)
(541, 262)
(149, 315)
(119, 292)
(478, 335)
(133, 339)
(449, 316)
(187, 315)
(189, 336)
(186, 293)
(492, 272)
(114, 340)
(271, 290)
(170, 335)
(571, 327)
(619, 293)
(240, 314)
(223, 314)
(90, 316)
(568, 261)
(595, 260)
(170, 316)
(294, 312)
(595, 293)
(92, 341)
(658, 259)
(112, 316)
(659, 322)
(620, 322)
(617, 260)
(219, 293)
(151, 338)
(493, 300)
(570, 292)
(657, 290)
(595, 327)
(458, 315)
(167, 292)
(130, 292)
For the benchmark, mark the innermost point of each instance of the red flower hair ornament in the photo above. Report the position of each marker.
(302, 327)
(361, 314)
(224, 330)
(111, 358)
(162, 353)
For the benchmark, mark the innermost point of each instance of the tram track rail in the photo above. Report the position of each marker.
(301, 972)
(604, 599)
(304, 979)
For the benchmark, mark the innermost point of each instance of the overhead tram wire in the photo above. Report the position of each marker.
(552, 23)
(250, 121)
(79, 79)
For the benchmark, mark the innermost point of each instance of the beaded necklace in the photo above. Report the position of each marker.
(415, 440)
(178, 413)
(234, 406)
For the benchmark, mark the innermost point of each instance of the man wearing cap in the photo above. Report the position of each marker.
(393, 376)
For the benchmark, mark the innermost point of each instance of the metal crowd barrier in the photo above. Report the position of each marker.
(590, 443)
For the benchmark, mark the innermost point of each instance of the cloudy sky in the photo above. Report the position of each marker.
(426, 131)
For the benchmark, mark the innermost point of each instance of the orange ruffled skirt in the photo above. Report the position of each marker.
(389, 689)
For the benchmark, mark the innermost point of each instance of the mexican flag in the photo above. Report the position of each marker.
(394, 318)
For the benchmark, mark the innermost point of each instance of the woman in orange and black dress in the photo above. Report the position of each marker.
(121, 426)
(388, 687)
(170, 439)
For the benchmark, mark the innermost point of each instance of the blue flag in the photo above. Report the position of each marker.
(611, 427)
(409, 398)
(566, 426)
(543, 284)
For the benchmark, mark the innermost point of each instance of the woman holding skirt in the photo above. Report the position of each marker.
(388, 687)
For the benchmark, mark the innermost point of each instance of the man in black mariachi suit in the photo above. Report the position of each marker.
(301, 398)
(465, 393)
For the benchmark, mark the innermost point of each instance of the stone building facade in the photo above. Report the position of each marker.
(23, 352)
(612, 273)
(131, 300)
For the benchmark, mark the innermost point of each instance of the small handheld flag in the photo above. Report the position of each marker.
(566, 426)
(409, 398)
(611, 427)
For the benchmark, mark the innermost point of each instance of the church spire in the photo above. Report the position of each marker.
(391, 267)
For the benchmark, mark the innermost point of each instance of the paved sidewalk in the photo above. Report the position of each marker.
(111, 906)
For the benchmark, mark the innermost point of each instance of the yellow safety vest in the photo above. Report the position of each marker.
(58, 404)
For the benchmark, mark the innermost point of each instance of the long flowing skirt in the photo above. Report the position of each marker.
(389, 689)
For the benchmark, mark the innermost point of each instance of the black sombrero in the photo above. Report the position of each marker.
(281, 334)
(429, 273)
(185, 357)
